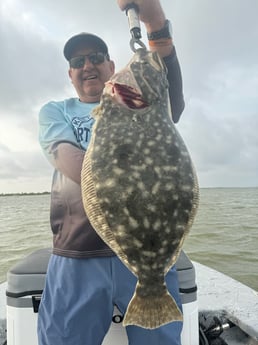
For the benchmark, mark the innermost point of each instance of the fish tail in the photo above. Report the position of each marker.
(152, 312)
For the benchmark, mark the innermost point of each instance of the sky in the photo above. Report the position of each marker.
(216, 43)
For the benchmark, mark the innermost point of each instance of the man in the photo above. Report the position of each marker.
(85, 279)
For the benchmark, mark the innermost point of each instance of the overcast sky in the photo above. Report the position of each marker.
(217, 45)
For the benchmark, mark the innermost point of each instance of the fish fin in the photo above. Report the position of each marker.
(175, 256)
(96, 112)
(152, 312)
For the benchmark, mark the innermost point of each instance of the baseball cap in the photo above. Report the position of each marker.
(83, 38)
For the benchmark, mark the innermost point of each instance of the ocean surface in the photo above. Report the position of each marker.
(224, 235)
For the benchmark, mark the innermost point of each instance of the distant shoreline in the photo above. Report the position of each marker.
(46, 193)
(24, 194)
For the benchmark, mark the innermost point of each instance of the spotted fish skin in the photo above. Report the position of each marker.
(139, 186)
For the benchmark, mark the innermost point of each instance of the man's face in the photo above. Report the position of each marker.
(89, 80)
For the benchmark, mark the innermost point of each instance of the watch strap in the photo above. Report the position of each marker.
(165, 32)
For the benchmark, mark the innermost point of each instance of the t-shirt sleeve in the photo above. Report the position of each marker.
(54, 128)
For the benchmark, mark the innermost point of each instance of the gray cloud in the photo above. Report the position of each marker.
(216, 45)
(28, 68)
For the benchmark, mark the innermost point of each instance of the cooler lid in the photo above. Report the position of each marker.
(28, 275)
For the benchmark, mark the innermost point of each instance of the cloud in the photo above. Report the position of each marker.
(28, 68)
(220, 126)
(216, 45)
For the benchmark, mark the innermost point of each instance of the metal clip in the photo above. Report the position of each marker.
(134, 25)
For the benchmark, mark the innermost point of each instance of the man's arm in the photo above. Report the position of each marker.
(68, 160)
(175, 85)
(64, 154)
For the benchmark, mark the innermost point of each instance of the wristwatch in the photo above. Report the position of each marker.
(165, 32)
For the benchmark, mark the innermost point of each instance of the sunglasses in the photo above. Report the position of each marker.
(94, 58)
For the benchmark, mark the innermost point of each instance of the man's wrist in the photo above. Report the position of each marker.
(155, 25)
(164, 32)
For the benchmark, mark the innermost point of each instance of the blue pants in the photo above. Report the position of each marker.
(78, 300)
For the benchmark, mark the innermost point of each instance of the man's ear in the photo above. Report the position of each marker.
(112, 66)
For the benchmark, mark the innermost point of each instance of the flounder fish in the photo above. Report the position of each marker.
(139, 186)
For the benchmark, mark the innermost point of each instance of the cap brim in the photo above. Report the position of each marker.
(83, 39)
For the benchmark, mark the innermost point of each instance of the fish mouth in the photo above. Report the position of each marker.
(126, 95)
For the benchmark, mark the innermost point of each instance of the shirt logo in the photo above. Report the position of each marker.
(82, 127)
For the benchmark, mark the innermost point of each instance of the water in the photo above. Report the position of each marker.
(224, 235)
(24, 227)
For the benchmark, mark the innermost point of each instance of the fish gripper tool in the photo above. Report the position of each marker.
(132, 12)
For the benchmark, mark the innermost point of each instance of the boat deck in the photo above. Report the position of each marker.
(219, 294)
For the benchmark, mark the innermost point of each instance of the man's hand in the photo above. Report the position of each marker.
(150, 12)
(153, 16)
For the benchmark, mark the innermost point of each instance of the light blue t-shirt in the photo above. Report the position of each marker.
(65, 121)
(69, 121)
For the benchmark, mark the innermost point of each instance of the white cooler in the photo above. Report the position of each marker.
(25, 282)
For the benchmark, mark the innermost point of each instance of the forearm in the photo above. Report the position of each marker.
(156, 23)
(68, 160)
(175, 85)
